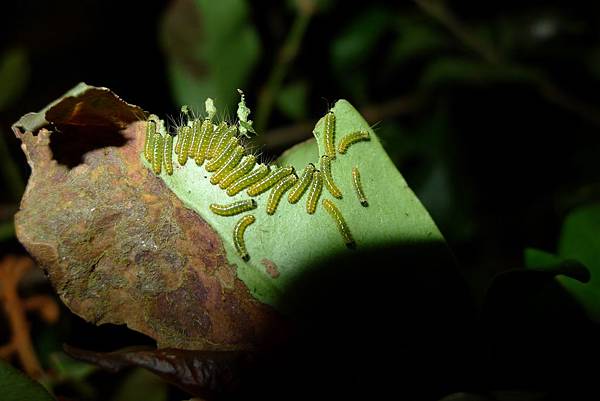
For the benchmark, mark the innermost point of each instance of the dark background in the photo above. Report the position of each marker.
(489, 109)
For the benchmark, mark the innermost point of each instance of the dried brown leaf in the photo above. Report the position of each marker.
(202, 373)
(118, 246)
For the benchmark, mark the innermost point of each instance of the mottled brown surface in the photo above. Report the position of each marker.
(119, 247)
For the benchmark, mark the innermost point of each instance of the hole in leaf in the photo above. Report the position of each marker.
(70, 145)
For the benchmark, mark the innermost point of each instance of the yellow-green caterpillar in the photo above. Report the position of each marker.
(352, 138)
(302, 184)
(231, 209)
(270, 180)
(206, 134)
(243, 168)
(329, 134)
(238, 235)
(230, 164)
(149, 142)
(247, 180)
(358, 187)
(278, 191)
(223, 156)
(157, 153)
(225, 140)
(214, 140)
(196, 137)
(314, 192)
(328, 177)
(335, 213)
(168, 154)
(185, 134)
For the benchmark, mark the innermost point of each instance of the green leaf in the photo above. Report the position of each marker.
(14, 74)
(292, 100)
(141, 385)
(211, 49)
(579, 240)
(70, 369)
(295, 243)
(18, 387)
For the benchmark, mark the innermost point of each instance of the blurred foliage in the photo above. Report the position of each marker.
(14, 73)
(18, 387)
(501, 144)
(579, 240)
(211, 49)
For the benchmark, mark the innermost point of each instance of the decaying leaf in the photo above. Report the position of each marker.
(118, 246)
(202, 373)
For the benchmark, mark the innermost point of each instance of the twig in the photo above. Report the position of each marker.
(547, 89)
(285, 136)
(12, 270)
(286, 55)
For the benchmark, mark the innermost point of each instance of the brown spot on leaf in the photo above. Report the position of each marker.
(271, 267)
(120, 247)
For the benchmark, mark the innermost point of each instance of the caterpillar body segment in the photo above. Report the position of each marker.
(206, 134)
(157, 153)
(302, 184)
(247, 180)
(230, 132)
(243, 168)
(195, 141)
(269, 181)
(149, 141)
(231, 209)
(328, 177)
(230, 164)
(186, 141)
(329, 134)
(238, 235)
(314, 193)
(356, 182)
(351, 139)
(336, 215)
(277, 192)
(214, 140)
(223, 156)
(168, 154)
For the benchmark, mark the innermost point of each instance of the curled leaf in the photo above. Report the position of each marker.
(201, 373)
(117, 244)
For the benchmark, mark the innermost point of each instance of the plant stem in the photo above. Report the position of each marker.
(546, 88)
(286, 55)
(288, 135)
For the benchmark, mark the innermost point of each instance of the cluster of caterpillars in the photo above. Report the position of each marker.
(218, 148)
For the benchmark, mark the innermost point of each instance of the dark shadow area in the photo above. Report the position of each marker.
(538, 337)
(392, 323)
(70, 144)
(81, 334)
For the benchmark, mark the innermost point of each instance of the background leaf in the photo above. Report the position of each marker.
(212, 48)
(579, 240)
(14, 75)
(292, 100)
(16, 386)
